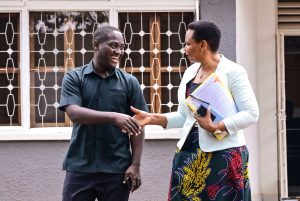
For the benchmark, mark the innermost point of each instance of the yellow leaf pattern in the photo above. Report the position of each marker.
(195, 174)
(246, 172)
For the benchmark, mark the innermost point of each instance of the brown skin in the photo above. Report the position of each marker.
(145, 118)
(133, 172)
(106, 57)
(196, 52)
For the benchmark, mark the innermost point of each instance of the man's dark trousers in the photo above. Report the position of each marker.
(81, 186)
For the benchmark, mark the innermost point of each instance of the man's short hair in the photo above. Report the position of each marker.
(102, 33)
(208, 31)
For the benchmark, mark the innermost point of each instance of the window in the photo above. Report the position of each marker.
(155, 54)
(59, 41)
(40, 42)
(10, 107)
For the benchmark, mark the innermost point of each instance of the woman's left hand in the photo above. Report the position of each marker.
(206, 122)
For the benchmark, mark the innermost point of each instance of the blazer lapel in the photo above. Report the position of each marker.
(190, 74)
(221, 65)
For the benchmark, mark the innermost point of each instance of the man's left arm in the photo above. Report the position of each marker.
(133, 172)
(136, 141)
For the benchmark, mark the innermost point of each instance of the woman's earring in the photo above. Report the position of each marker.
(202, 52)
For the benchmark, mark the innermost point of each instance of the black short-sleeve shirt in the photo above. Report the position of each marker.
(103, 147)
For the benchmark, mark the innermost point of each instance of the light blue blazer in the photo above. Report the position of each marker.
(236, 79)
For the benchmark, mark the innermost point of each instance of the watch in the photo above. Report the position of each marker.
(220, 134)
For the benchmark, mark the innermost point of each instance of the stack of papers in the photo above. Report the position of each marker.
(212, 92)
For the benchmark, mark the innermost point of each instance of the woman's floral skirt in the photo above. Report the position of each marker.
(207, 176)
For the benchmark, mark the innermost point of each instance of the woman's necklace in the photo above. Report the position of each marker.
(201, 75)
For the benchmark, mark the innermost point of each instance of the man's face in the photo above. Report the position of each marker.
(110, 52)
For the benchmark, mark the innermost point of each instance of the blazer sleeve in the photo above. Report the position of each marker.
(176, 119)
(245, 100)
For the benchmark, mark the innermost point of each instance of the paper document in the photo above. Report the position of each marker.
(212, 92)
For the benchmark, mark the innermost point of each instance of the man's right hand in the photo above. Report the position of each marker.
(128, 124)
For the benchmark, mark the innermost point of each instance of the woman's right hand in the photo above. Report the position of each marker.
(141, 116)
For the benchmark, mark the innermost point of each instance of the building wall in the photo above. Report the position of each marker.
(266, 85)
(31, 171)
(256, 52)
(246, 56)
(210, 10)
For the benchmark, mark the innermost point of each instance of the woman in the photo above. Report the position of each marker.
(205, 168)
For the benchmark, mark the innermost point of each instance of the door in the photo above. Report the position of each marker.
(288, 108)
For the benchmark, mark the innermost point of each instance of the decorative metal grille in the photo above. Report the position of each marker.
(155, 54)
(58, 42)
(10, 108)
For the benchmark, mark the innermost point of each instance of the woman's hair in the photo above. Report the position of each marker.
(102, 33)
(208, 31)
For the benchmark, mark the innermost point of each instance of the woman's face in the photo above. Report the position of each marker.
(192, 48)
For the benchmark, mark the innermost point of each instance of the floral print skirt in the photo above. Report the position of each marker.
(219, 176)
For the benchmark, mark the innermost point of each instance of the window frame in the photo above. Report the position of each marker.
(24, 7)
(19, 110)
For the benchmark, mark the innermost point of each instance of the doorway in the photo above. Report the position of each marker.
(288, 107)
(292, 89)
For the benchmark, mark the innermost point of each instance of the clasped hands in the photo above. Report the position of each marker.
(133, 125)
(144, 118)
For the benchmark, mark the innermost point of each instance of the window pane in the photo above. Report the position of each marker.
(59, 41)
(154, 53)
(10, 107)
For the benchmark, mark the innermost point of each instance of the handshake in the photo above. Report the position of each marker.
(133, 125)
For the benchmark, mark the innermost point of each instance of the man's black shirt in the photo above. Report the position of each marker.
(102, 147)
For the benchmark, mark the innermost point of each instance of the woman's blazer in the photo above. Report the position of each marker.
(236, 79)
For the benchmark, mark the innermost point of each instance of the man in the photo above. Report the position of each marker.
(103, 161)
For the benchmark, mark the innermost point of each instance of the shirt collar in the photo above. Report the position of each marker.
(89, 69)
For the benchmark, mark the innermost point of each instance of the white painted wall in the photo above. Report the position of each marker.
(246, 56)
(256, 52)
(266, 74)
